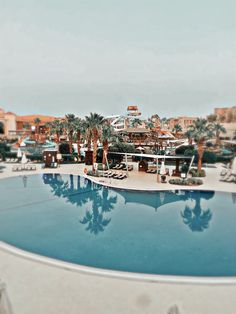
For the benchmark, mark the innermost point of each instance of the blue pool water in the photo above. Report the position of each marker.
(69, 218)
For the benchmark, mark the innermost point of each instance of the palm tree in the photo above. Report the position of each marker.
(37, 122)
(218, 128)
(149, 124)
(189, 136)
(135, 122)
(56, 127)
(176, 129)
(79, 127)
(107, 133)
(212, 118)
(201, 131)
(197, 219)
(94, 123)
(69, 126)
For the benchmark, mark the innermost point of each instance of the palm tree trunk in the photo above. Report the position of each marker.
(71, 141)
(217, 138)
(58, 137)
(105, 150)
(95, 145)
(200, 155)
(78, 144)
(89, 142)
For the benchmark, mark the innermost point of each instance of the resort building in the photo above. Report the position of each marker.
(183, 121)
(7, 122)
(12, 125)
(226, 115)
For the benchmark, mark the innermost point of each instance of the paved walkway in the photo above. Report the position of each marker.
(136, 180)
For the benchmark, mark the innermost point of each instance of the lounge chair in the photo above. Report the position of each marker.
(153, 171)
(227, 175)
(120, 167)
(110, 175)
(223, 172)
(121, 176)
(116, 166)
(130, 167)
(107, 173)
(231, 178)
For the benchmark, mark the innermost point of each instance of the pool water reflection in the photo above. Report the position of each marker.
(73, 219)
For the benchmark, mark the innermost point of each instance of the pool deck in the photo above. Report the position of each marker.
(39, 285)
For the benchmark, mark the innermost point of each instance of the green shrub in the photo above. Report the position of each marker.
(195, 173)
(189, 181)
(100, 167)
(64, 148)
(36, 157)
(4, 149)
(180, 150)
(10, 155)
(92, 174)
(209, 157)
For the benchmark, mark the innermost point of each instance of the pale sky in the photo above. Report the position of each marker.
(72, 56)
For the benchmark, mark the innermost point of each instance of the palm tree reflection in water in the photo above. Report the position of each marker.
(198, 219)
(85, 191)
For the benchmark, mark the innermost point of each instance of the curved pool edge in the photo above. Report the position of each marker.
(167, 279)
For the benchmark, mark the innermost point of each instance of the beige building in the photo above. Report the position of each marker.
(183, 121)
(7, 122)
(226, 115)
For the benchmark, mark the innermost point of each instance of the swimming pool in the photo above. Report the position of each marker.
(70, 218)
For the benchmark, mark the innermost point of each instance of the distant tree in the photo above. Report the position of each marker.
(37, 121)
(201, 131)
(79, 129)
(56, 127)
(212, 118)
(69, 125)
(135, 122)
(218, 128)
(177, 129)
(94, 123)
(107, 134)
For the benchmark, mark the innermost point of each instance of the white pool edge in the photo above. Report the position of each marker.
(4, 247)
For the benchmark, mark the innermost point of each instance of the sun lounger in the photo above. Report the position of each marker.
(121, 176)
(223, 172)
(231, 178)
(107, 173)
(153, 171)
(120, 167)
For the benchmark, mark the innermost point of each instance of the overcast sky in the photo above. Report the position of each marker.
(73, 56)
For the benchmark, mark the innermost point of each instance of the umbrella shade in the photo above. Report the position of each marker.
(163, 168)
(24, 159)
(140, 148)
(19, 153)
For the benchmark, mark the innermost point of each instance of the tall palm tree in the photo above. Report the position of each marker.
(56, 127)
(79, 130)
(94, 122)
(201, 131)
(177, 129)
(69, 127)
(107, 133)
(37, 122)
(218, 128)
